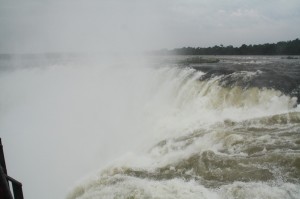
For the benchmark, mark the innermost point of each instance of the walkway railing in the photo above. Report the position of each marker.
(7, 181)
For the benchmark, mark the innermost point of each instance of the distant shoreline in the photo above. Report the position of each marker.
(280, 48)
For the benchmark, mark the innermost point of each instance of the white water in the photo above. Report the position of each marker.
(176, 188)
(60, 123)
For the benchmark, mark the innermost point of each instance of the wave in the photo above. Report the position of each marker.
(206, 100)
(129, 187)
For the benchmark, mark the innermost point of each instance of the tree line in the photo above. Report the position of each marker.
(279, 48)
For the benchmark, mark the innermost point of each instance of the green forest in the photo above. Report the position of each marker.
(279, 48)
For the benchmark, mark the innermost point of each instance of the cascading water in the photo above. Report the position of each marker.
(218, 135)
(218, 130)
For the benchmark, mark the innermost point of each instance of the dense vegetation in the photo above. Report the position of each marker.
(280, 48)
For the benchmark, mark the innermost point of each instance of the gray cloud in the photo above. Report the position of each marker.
(39, 26)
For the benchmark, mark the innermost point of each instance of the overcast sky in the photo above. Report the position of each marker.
(100, 25)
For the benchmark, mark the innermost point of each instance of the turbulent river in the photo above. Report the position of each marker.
(204, 130)
(231, 130)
